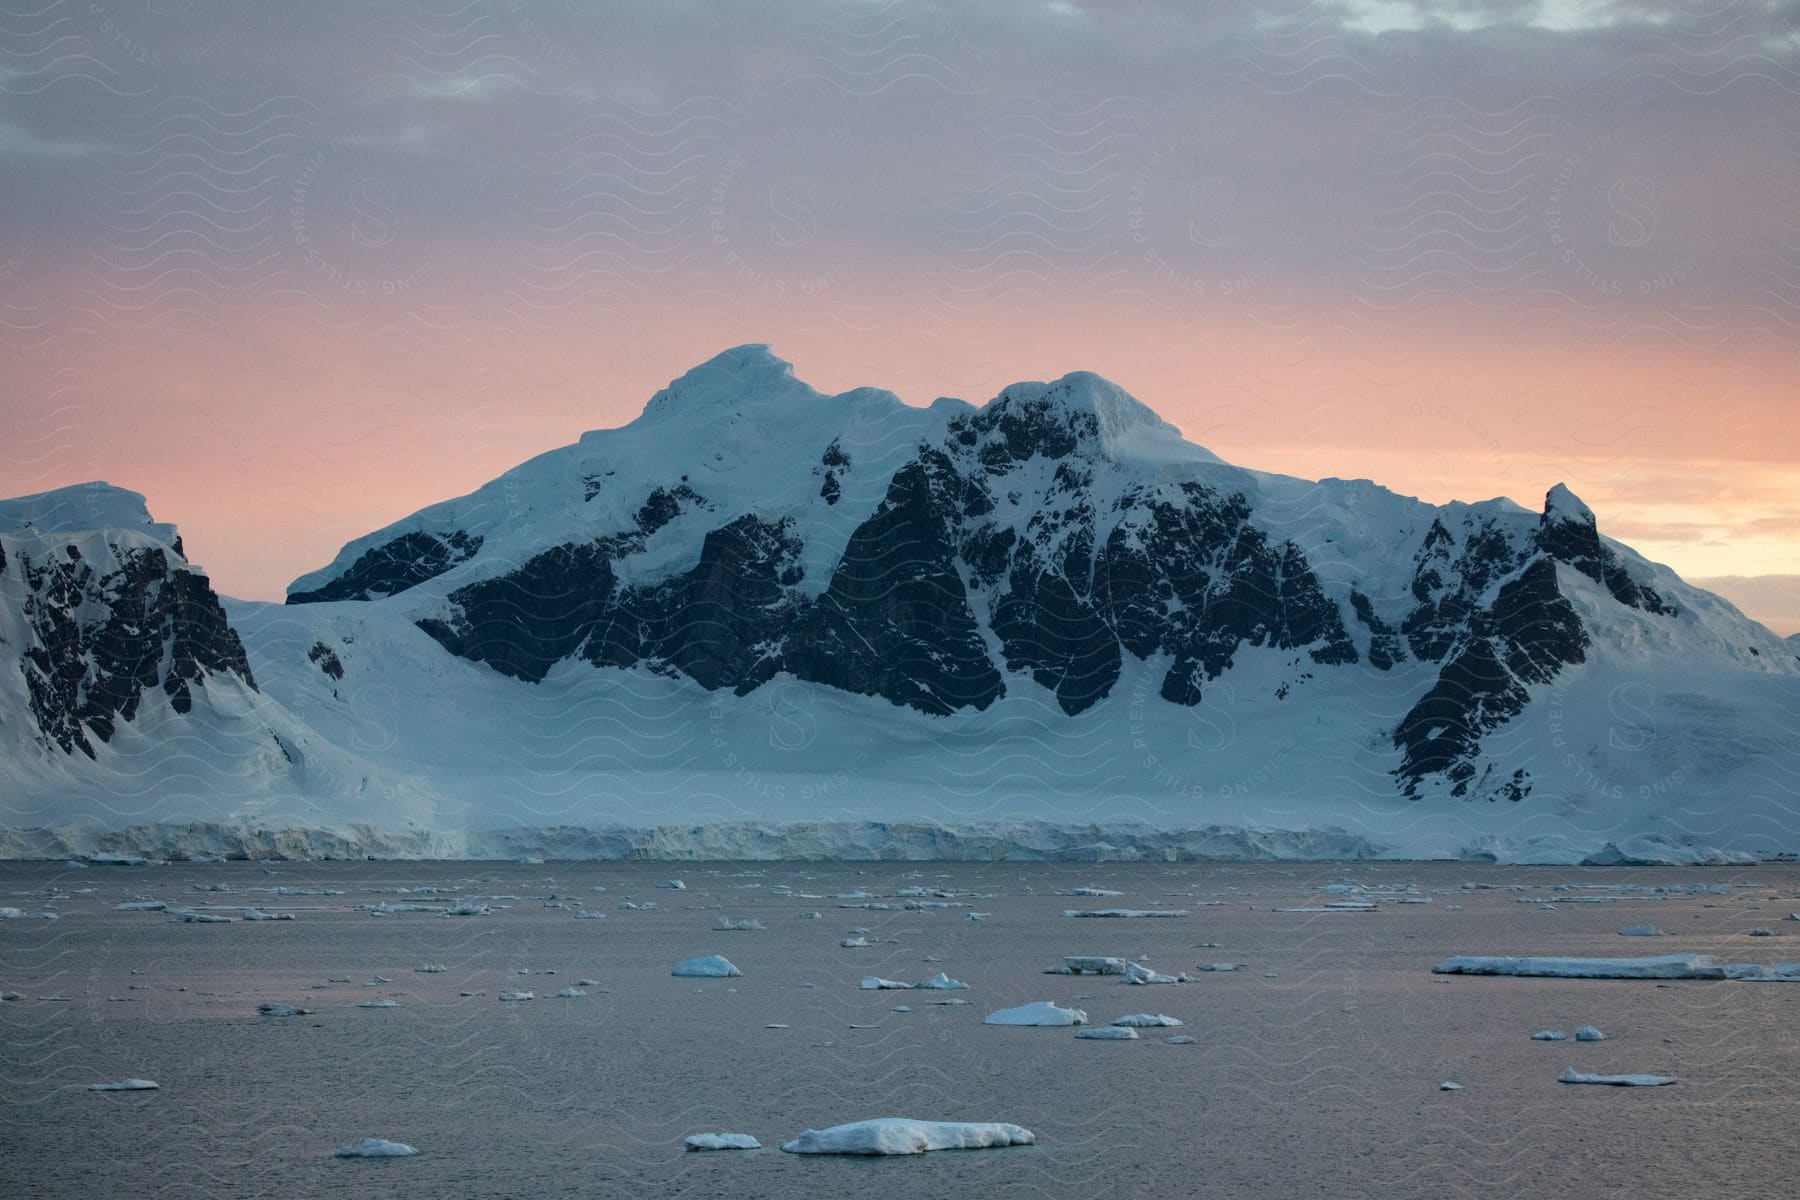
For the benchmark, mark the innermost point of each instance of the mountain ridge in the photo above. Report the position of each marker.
(1056, 568)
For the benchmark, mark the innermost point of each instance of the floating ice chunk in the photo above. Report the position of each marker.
(721, 1141)
(112, 859)
(1762, 931)
(1587, 1033)
(1640, 931)
(274, 1008)
(976, 916)
(1041, 1012)
(748, 924)
(1663, 966)
(898, 1135)
(376, 1148)
(126, 1085)
(1108, 1033)
(1764, 973)
(856, 943)
(586, 983)
(466, 910)
(673, 885)
(430, 968)
(379, 1004)
(570, 993)
(1450, 1086)
(1098, 892)
(1147, 1021)
(875, 983)
(1180, 1039)
(710, 966)
(900, 1008)
(1571, 1075)
(1088, 964)
(189, 917)
(1549, 1035)
(257, 914)
(141, 906)
(1219, 966)
(944, 983)
(1125, 912)
(517, 996)
(1137, 973)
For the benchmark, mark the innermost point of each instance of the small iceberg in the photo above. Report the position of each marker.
(875, 983)
(898, 1135)
(189, 917)
(710, 966)
(463, 910)
(1549, 1035)
(727, 925)
(1450, 1086)
(1179, 1039)
(257, 914)
(1663, 966)
(1147, 1021)
(1088, 964)
(517, 997)
(1122, 913)
(673, 885)
(570, 993)
(943, 983)
(1587, 1033)
(1640, 931)
(721, 1141)
(274, 1008)
(126, 1085)
(379, 1004)
(1571, 1075)
(141, 906)
(1041, 1012)
(1108, 1033)
(376, 1148)
(1140, 974)
(430, 968)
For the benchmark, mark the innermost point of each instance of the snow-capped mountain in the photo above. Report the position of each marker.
(760, 604)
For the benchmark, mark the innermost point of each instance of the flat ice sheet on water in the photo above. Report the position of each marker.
(899, 1135)
(1041, 1012)
(710, 966)
(376, 1148)
(1660, 966)
(721, 1141)
(1571, 1075)
(126, 1085)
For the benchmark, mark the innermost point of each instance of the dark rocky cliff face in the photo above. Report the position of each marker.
(102, 645)
(395, 566)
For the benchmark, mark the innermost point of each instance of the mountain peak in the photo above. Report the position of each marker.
(78, 508)
(1088, 404)
(745, 374)
(1561, 504)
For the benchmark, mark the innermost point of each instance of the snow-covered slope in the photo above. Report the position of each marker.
(760, 619)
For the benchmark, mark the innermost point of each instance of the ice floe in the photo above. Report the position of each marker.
(141, 906)
(1041, 1012)
(1587, 1033)
(1120, 913)
(1549, 1035)
(1108, 1033)
(721, 1141)
(376, 1148)
(709, 966)
(126, 1085)
(1088, 964)
(1640, 931)
(943, 983)
(1450, 1086)
(747, 925)
(899, 1135)
(874, 983)
(379, 1004)
(1571, 1075)
(1147, 1021)
(1140, 974)
(274, 1008)
(1662, 966)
